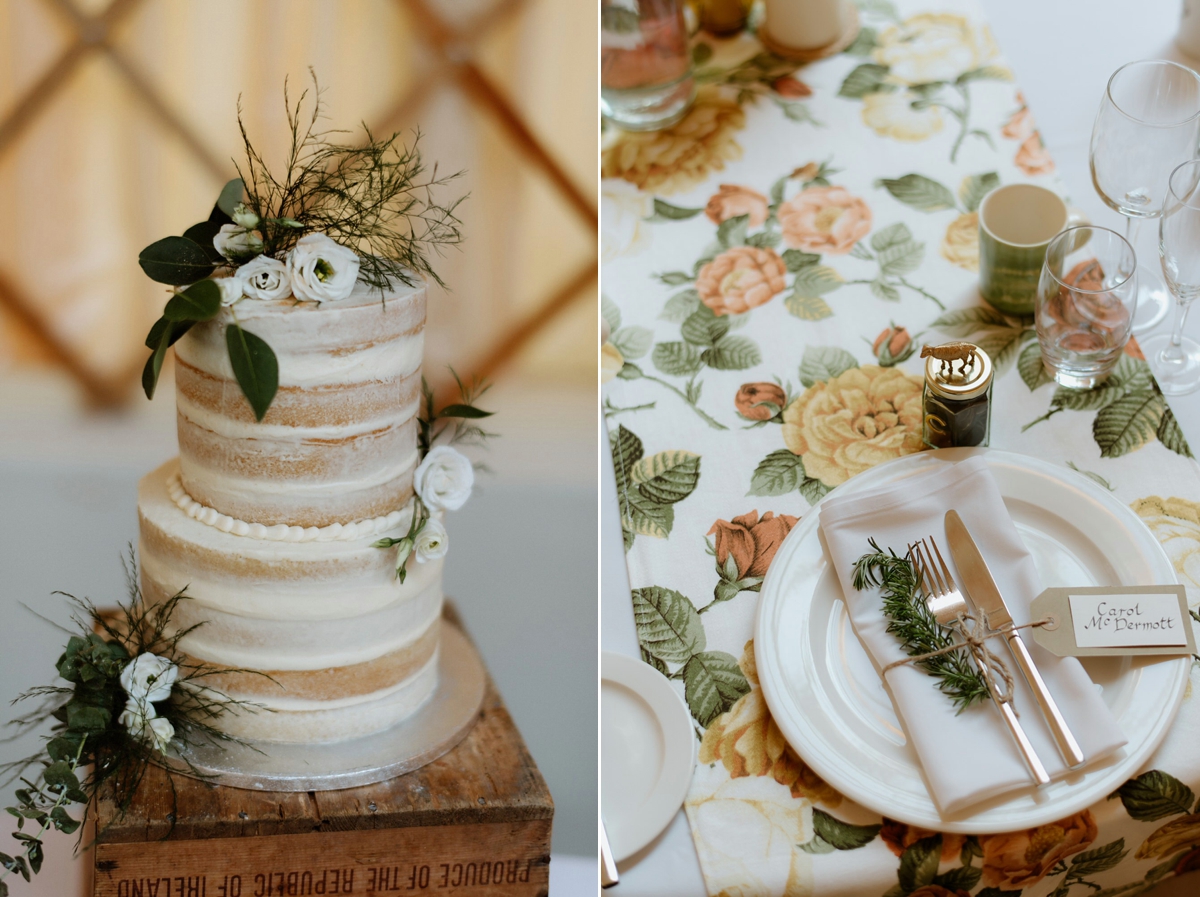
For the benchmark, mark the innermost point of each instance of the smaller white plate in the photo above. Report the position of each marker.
(647, 753)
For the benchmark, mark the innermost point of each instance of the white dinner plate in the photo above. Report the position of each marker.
(647, 752)
(832, 707)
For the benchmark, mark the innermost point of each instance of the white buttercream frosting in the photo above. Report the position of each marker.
(334, 532)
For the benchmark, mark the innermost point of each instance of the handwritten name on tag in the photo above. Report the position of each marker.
(1118, 621)
(1114, 620)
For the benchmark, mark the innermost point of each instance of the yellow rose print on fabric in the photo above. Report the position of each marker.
(746, 741)
(960, 246)
(1175, 522)
(920, 75)
(854, 421)
(681, 156)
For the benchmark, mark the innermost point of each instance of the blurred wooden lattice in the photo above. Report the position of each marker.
(452, 51)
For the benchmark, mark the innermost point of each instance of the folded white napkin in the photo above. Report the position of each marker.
(968, 758)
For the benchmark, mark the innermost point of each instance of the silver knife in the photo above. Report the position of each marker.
(608, 869)
(980, 585)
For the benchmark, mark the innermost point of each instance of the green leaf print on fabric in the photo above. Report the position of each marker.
(807, 308)
(1128, 423)
(712, 682)
(732, 353)
(842, 835)
(664, 211)
(866, 78)
(920, 192)
(919, 864)
(1030, 366)
(1171, 436)
(679, 306)
(1101, 859)
(779, 473)
(964, 878)
(648, 488)
(975, 187)
(677, 359)
(668, 626)
(794, 259)
(824, 363)
(897, 254)
(1155, 795)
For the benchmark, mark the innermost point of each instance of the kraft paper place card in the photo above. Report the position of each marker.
(1114, 620)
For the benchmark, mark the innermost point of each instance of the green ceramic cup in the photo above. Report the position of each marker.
(1016, 224)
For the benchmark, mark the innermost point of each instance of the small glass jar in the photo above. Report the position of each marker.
(957, 400)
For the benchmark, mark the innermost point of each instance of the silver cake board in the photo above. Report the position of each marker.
(436, 726)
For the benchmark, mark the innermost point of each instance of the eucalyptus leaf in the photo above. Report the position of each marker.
(202, 235)
(231, 195)
(175, 261)
(199, 302)
(255, 367)
(178, 329)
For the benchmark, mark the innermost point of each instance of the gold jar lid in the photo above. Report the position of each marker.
(965, 376)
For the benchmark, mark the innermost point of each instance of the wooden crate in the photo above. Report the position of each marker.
(475, 821)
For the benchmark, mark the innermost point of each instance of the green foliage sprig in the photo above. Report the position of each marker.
(87, 730)
(452, 423)
(912, 623)
(372, 197)
(449, 425)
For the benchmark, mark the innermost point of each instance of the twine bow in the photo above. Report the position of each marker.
(975, 630)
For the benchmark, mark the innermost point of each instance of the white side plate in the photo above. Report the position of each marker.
(647, 752)
(832, 707)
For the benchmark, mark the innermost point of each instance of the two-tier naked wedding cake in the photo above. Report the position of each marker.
(270, 525)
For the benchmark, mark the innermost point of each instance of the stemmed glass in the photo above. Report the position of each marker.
(1174, 359)
(1148, 123)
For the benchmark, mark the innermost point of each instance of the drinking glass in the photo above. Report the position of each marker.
(1174, 359)
(1087, 296)
(645, 66)
(1148, 123)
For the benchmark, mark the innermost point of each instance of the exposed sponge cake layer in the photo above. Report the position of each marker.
(350, 648)
(339, 441)
(300, 721)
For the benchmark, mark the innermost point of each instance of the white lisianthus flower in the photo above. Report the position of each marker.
(444, 479)
(149, 678)
(236, 242)
(244, 217)
(321, 270)
(403, 550)
(432, 541)
(232, 289)
(264, 278)
(136, 716)
(160, 732)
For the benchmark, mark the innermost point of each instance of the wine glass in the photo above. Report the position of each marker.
(1175, 360)
(1148, 123)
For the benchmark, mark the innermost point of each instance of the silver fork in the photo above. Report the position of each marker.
(947, 604)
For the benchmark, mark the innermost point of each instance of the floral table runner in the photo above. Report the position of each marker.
(771, 264)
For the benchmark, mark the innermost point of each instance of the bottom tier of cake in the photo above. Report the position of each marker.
(345, 647)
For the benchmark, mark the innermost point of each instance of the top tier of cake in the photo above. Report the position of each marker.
(339, 442)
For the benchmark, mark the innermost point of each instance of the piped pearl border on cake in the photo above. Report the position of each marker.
(334, 532)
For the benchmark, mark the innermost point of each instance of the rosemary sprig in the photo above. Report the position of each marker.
(912, 623)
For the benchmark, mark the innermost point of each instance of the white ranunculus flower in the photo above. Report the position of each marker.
(244, 217)
(321, 270)
(444, 479)
(149, 678)
(432, 541)
(236, 242)
(265, 278)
